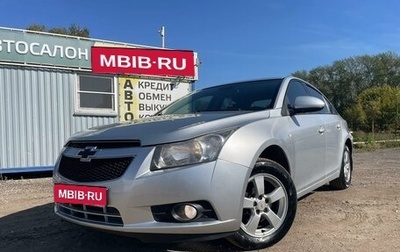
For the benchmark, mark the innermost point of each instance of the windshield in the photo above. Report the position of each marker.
(242, 96)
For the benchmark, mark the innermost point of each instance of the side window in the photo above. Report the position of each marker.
(95, 95)
(295, 89)
(318, 95)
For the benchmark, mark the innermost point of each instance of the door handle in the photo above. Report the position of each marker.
(321, 130)
(338, 126)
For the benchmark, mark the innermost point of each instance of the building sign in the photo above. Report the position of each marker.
(19, 46)
(139, 98)
(139, 61)
(23, 47)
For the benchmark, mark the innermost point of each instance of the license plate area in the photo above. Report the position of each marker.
(78, 194)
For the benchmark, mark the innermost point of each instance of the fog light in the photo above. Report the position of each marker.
(185, 212)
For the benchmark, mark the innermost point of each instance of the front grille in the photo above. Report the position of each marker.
(94, 171)
(104, 144)
(98, 215)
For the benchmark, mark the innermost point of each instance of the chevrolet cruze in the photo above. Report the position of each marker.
(226, 161)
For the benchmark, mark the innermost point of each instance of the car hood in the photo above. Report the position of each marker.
(170, 128)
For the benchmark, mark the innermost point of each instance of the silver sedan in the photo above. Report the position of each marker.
(226, 161)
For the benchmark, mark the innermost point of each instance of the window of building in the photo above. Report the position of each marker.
(95, 95)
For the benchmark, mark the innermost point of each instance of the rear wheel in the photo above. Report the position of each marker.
(269, 207)
(346, 170)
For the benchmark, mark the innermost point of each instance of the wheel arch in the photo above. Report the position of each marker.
(277, 154)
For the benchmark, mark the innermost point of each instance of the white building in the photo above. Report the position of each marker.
(52, 86)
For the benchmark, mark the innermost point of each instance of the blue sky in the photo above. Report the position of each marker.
(235, 40)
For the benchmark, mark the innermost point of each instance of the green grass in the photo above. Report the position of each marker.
(369, 141)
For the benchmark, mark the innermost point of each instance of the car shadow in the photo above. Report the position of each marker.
(324, 188)
(39, 229)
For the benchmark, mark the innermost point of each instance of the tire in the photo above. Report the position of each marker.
(269, 207)
(346, 171)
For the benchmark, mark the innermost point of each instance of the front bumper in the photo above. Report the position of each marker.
(132, 196)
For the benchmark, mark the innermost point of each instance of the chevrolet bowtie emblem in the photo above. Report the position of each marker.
(86, 154)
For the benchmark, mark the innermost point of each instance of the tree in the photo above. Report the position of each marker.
(378, 108)
(75, 30)
(344, 80)
(356, 115)
(36, 27)
(72, 30)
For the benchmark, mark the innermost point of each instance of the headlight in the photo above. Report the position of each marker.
(198, 150)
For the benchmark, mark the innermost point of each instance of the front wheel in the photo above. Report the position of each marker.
(269, 207)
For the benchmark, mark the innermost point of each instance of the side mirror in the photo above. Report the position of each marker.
(304, 104)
